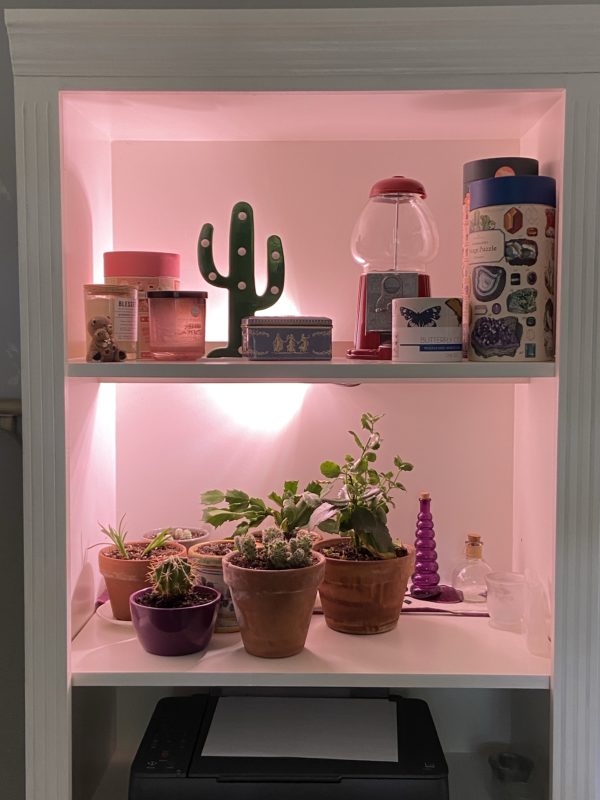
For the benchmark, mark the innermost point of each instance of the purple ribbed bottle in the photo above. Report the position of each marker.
(426, 578)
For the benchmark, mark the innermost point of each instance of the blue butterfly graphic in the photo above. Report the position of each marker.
(421, 319)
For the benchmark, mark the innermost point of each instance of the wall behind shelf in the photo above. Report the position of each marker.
(175, 441)
(310, 193)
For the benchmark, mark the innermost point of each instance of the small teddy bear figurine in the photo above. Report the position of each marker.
(102, 346)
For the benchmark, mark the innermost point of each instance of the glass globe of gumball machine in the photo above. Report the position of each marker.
(394, 239)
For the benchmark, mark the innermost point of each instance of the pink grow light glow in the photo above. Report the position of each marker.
(266, 407)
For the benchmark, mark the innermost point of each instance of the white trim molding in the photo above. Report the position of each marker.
(344, 42)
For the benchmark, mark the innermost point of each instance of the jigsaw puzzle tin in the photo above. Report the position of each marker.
(511, 252)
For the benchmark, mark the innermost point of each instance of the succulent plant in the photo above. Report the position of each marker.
(277, 552)
(172, 577)
(119, 535)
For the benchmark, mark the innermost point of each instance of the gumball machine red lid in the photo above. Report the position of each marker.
(394, 239)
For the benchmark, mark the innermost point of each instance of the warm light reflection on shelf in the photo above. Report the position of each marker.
(260, 407)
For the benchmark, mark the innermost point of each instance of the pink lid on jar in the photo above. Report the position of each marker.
(397, 185)
(141, 264)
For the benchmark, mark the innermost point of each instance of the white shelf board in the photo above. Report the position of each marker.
(339, 370)
(468, 778)
(431, 651)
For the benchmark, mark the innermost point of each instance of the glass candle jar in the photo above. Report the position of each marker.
(177, 325)
(111, 318)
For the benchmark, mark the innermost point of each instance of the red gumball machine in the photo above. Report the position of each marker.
(393, 240)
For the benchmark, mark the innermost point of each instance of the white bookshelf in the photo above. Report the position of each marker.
(424, 651)
(338, 370)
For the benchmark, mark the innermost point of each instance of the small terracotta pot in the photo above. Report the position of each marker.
(124, 576)
(273, 606)
(174, 631)
(364, 597)
(210, 572)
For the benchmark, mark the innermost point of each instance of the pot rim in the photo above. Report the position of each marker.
(134, 596)
(327, 543)
(294, 571)
(177, 546)
(195, 549)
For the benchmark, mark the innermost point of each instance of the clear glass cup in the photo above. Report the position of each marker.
(177, 325)
(506, 600)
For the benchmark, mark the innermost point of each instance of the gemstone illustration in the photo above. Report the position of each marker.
(496, 337)
(520, 252)
(488, 282)
(513, 220)
(523, 301)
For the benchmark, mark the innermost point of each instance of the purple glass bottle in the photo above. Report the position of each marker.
(426, 578)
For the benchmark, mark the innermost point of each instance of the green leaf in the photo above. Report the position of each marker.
(217, 517)
(236, 496)
(373, 477)
(365, 423)
(371, 457)
(359, 444)
(372, 533)
(290, 487)
(360, 466)
(277, 499)
(314, 487)
(330, 469)
(212, 497)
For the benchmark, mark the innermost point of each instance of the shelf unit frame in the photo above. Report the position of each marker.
(374, 49)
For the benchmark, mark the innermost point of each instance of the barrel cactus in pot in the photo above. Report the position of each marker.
(174, 617)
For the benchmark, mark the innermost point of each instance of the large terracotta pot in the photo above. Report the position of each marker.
(174, 631)
(210, 571)
(364, 596)
(124, 576)
(273, 606)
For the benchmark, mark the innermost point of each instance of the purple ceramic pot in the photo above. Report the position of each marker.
(174, 631)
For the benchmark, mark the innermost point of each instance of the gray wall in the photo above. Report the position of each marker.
(11, 555)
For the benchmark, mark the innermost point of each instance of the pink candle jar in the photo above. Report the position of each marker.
(177, 325)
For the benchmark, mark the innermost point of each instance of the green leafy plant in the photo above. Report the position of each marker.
(276, 552)
(289, 510)
(119, 535)
(171, 577)
(367, 493)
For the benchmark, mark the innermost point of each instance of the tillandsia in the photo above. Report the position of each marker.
(171, 577)
(276, 552)
(119, 535)
(366, 493)
(290, 510)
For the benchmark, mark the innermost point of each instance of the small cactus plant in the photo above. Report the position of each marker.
(243, 300)
(277, 552)
(173, 577)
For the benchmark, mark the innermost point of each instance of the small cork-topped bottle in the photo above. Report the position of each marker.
(469, 575)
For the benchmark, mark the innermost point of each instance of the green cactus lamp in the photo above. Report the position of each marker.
(243, 300)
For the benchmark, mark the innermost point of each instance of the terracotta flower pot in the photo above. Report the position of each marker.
(124, 576)
(174, 631)
(210, 571)
(273, 606)
(364, 596)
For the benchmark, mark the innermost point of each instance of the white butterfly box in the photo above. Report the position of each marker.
(426, 329)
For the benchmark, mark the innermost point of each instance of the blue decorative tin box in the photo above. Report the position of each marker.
(286, 338)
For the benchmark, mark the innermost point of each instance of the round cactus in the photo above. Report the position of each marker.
(172, 577)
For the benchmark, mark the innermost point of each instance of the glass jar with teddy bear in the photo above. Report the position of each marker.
(111, 322)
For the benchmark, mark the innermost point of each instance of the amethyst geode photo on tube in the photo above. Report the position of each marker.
(496, 337)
